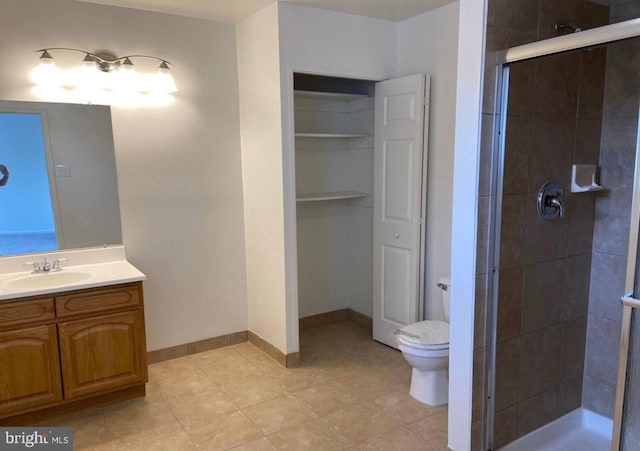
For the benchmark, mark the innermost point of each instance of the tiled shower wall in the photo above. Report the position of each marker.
(510, 23)
(554, 121)
(613, 208)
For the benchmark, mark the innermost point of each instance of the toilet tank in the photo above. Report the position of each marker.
(444, 284)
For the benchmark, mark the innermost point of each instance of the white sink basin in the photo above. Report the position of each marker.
(54, 279)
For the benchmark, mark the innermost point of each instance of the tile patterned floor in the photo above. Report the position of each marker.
(349, 393)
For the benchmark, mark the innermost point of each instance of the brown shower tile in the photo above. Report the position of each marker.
(581, 210)
(521, 88)
(574, 338)
(603, 343)
(544, 285)
(594, 15)
(599, 396)
(577, 282)
(617, 155)
(537, 411)
(552, 10)
(505, 426)
(516, 159)
(507, 373)
(513, 14)
(588, 137)
(593, 64)
(557, 84)
(499, 38)
(545, 240)
(512, 230)
(608, 277)
(569, 395)
(540, 357)
(613, 216)
(552, 152)
(510, 291)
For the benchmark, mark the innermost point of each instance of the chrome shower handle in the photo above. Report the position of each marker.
(551, 201)
(559, 204)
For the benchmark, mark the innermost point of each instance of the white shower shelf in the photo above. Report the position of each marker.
(332, 135)
(583, 178)
(336, 195)
(328, 95)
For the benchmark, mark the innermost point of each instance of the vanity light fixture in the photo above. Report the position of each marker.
(103, 78)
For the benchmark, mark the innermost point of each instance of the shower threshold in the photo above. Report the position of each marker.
(579, 430)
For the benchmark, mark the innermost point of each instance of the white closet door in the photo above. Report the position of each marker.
(398, 204)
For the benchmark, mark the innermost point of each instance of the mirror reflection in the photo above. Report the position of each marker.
(58, 182)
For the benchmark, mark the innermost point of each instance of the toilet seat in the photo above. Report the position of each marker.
(433, 335)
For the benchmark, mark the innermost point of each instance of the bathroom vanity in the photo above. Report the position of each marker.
(70, 339)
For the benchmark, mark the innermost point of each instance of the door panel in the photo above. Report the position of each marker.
(101, 353)
(31, 376)
(398, 204)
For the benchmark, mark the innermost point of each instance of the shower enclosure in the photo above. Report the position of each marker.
(563, 223)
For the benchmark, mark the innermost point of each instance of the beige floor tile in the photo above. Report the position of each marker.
(196, 410)
(369, 386)
(135, 417)
(312, 435)
(296, 379)
(247, 350)
(403, 408)
(326, 398)
(433, 429)
(174, 441)
(225, 432)
(396, 440)
(278, 414)
(267, 365)
(359, 423)
(186, 384)
(215, 356)
(89, 428)
(168, 368)
(248, 392)
(262, 444)
(232, 371)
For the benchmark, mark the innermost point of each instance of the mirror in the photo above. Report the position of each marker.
(61, 191)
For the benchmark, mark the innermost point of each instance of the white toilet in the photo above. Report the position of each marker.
(425, 345)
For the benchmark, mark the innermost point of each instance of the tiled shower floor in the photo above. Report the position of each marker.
(349, 393)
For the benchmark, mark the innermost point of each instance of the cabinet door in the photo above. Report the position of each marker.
(100, 354)
(30, 369)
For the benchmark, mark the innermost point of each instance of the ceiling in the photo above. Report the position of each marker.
(232, 11)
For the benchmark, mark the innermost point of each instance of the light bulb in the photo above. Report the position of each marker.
(46, 72)
(126, 78)
(164, 79)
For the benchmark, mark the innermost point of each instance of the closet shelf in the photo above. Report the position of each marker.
(328, 95)
(331, 135)
(336, 195)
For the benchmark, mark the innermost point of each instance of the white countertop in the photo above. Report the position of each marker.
(112, 270)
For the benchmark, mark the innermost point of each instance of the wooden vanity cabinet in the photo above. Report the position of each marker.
(74, 350)
(30, 369)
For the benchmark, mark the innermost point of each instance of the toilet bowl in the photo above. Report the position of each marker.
(425, 345)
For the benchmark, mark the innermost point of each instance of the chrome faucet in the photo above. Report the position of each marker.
(45, 266)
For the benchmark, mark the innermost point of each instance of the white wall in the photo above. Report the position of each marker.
(179, 168)
(428, 43)
(260, 117)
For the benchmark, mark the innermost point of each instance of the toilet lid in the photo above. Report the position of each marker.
(425, 334)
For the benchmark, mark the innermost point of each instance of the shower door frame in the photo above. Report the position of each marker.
(597, 36)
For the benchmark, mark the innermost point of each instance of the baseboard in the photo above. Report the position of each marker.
(286, 360)
(195, 347)
(335, 316)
